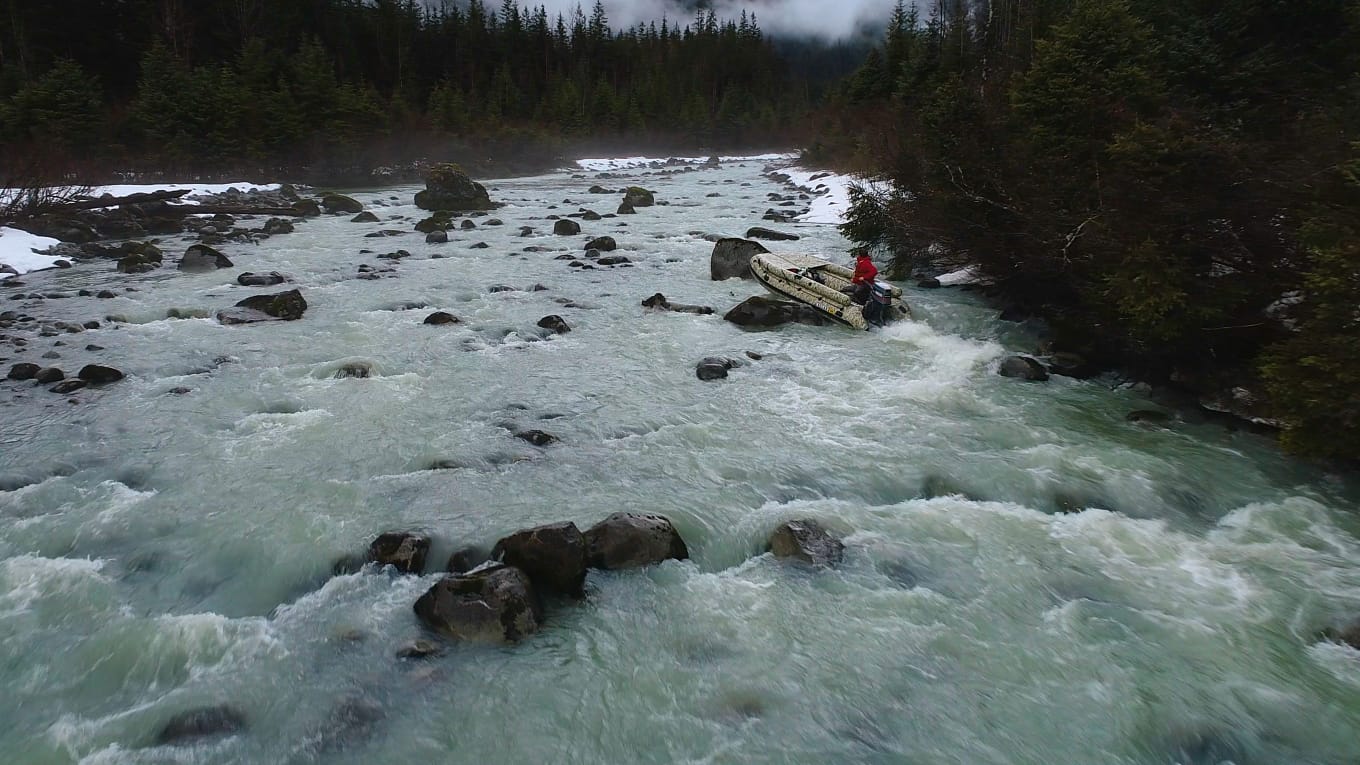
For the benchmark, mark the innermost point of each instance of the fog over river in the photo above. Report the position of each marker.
(161, 550)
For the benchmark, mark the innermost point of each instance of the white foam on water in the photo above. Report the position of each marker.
(608, 164)
(26, 580)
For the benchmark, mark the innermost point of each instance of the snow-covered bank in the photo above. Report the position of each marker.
(18, 251)
(194, 189)
(611, 164)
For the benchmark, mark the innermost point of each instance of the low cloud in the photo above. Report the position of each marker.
(829, 19)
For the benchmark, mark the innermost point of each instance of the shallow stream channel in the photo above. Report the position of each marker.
(1028, 577)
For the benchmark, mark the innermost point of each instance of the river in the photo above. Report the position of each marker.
(162, 550)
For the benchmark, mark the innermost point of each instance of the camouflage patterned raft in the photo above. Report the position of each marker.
(818, 283)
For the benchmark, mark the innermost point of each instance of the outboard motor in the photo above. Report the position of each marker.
(878, 308)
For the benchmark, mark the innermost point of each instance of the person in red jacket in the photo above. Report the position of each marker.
(863, 280)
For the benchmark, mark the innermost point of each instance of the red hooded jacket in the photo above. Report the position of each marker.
(865, 272)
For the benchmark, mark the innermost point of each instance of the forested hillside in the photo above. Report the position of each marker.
(175, 84)
(1174, 186)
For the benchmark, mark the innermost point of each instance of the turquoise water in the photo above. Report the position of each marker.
(161, 551)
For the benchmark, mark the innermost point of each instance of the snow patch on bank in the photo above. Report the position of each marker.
(20, 251)
(194, 189)
(608, 164)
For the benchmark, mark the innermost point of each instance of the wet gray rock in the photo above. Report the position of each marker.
(630, 540)
(283, 306)
(565, 227)
(467, 225)
(278, 226)
(602, 243)
(403, 550)
(359, 370)
(68, 386)
(806, 541)
(658, 302)
(249, 279)
(638, 197)
(613, 260)
(338, 204)
(537, 437)
(23, 371)
(466, 559)
(441, 317)
(97, 374)
(200, 258)
(364, 217)
(495, 604)
(929, 284)
(1022, 368)
(761, 311)
(49, 375)
(204, 722)
(554, 323)
(437, 237)
(731, 258)
(447, 187)
(715, 368)
(770, 235)
(625, 208)
(526, 231)
(553, 556)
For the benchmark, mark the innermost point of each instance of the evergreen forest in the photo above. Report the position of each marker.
(1173, 185)
(198, 85)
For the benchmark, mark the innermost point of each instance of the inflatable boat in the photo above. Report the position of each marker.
(818, 283)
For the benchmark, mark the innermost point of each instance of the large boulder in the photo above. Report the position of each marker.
(636, 196)
(282, 306)
(403, 550)
(447, 187)
(436, 222)
(761, 311)
(565, 227)
(1023, 368)
(732, 258)
(554, 557)
(200, 258)
(806, 541)
(23, 371)
(494, 604)
(630, 540)
(602, 243)
(339, 204)
(98, 374)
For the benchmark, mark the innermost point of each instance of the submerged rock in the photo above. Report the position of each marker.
(441, 317)
(554, 323)
(659, 302)
(731, 258)
(537, 437)
(630, 540)
(806, 541)
(770, 235)
(403, 550)
(249, 279)
(201, 723)
(1023, 368)
(553, 555)
(496, 604)
(364, 217)
(762, 311)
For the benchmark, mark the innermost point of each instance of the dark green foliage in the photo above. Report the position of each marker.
(218, 83)
(1149, 176)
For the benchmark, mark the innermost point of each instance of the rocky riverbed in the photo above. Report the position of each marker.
(247, 545)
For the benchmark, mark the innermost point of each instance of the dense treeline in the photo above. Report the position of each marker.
(218, 83)
(1173, 184)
